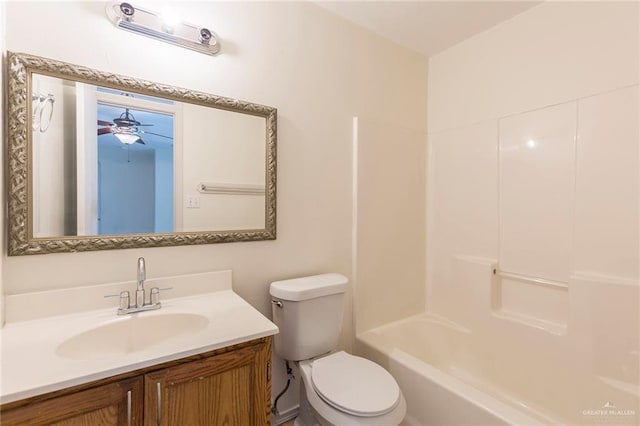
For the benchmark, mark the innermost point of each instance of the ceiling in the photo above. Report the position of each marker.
(427, 27)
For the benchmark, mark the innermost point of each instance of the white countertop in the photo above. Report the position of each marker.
(31, 364)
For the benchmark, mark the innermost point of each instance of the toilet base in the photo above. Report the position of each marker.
(306, 413)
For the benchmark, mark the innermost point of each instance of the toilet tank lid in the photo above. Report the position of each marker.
(305, 288)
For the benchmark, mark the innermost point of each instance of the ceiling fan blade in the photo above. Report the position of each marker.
(156, 134)
(140, 141)
(104, 123)
(105, 130)
(139, 125)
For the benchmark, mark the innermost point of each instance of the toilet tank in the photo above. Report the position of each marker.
(308, 312)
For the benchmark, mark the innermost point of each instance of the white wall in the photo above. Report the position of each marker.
(222, 147)
(552, 53)
(317, 69)
(534, 165)
(51, 149)
(389, 252)
(3, 101)
(489, 195)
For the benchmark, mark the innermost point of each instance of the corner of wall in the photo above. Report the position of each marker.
(390, 223)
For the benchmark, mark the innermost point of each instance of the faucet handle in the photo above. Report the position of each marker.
(154, 298)
(124, 299)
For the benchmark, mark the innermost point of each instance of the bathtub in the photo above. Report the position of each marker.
(449, 376)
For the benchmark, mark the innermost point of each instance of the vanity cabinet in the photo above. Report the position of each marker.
(219, 390)
(229, 386)
(110, 404)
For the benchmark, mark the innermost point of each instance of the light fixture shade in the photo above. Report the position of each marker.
(151, 24)
(127, 138)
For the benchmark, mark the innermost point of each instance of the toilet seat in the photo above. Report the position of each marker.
(354, 385)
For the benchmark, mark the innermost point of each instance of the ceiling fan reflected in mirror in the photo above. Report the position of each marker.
(126, 128)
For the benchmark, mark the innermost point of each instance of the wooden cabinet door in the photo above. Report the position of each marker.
(228, 389)
(113, 404)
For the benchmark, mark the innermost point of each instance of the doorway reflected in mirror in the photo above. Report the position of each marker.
(135, 170)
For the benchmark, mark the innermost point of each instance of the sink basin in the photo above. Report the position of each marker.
(130, 334)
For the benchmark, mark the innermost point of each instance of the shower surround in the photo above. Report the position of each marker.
(533, 292)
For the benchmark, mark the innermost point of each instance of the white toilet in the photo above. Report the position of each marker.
(337, 388)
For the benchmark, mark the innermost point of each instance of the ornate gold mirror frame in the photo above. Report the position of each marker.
(20, 162)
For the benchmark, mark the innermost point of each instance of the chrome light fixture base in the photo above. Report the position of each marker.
(151, 24)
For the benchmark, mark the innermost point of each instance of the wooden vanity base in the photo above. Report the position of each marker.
(229, 386)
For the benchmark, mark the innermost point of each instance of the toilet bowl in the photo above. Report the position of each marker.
(342, 389)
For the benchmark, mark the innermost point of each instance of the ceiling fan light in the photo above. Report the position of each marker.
(127, 138)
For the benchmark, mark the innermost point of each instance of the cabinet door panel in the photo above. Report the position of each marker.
(105, 405)
(226, 389)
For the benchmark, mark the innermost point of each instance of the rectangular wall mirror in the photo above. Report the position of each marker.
(102, 161)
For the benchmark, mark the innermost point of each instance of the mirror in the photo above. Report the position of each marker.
(101, 161)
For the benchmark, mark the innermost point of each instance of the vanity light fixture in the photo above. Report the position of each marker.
(171, 30)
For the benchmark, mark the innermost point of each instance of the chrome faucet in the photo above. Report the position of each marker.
(141, 305)
(142, 275)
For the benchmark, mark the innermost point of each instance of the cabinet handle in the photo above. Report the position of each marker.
(129, 408)
(159, 408)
